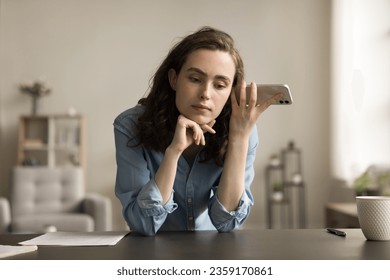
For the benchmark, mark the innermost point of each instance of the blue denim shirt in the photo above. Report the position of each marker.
(193, 204)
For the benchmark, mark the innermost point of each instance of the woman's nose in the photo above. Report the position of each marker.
(206, 92)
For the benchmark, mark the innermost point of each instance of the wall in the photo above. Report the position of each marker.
(99, 55)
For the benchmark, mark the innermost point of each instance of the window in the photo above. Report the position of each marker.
(360, 98)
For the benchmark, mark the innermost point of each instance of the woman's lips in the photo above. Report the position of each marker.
(201, 107)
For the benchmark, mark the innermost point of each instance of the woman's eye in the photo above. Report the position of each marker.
(220, 86)
(194, 79)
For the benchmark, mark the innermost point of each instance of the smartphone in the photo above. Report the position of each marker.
(265, 91)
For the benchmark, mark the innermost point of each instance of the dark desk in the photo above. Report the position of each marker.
(299, 244)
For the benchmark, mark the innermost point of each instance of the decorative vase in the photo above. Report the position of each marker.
(277, 196)
(36, 105)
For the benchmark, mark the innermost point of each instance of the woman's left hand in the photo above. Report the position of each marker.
(246, 111)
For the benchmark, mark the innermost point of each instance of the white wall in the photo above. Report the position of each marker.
(99, 55)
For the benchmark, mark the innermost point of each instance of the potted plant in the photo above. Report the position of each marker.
(362, 183)
(36, 90)
(277, 188)
(384, 183)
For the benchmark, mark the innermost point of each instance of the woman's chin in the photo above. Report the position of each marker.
(201, 120)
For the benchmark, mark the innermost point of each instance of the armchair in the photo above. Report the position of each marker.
(43, 197)
(5, 215)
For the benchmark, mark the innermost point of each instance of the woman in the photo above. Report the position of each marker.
(185, 153)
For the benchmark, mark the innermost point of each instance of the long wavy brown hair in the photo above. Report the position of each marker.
(156, 127)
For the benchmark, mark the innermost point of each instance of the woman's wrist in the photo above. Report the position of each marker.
(173, 152)
(238, 139)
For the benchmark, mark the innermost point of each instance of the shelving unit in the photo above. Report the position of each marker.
(285, 190)
(277, 203)
(51, 140)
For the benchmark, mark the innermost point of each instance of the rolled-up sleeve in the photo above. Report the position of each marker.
(224, 220)
(135, 187)
(150, 201)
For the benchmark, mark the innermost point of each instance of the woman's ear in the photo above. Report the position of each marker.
(172, 77)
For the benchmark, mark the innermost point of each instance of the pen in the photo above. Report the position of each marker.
(336, 232)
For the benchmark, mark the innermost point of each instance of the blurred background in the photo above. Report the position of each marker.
(98, 57)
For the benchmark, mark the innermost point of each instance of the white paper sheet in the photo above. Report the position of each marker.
(105, 238)
(11, 250)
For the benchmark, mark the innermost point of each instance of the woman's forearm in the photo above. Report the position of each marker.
(166, 173)
(232, 183)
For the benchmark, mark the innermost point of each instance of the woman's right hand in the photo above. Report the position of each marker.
(188, 132)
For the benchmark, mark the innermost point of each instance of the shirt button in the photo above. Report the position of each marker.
(189, 200)
(190, 218)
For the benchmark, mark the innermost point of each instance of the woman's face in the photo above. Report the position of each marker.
(203, 84)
